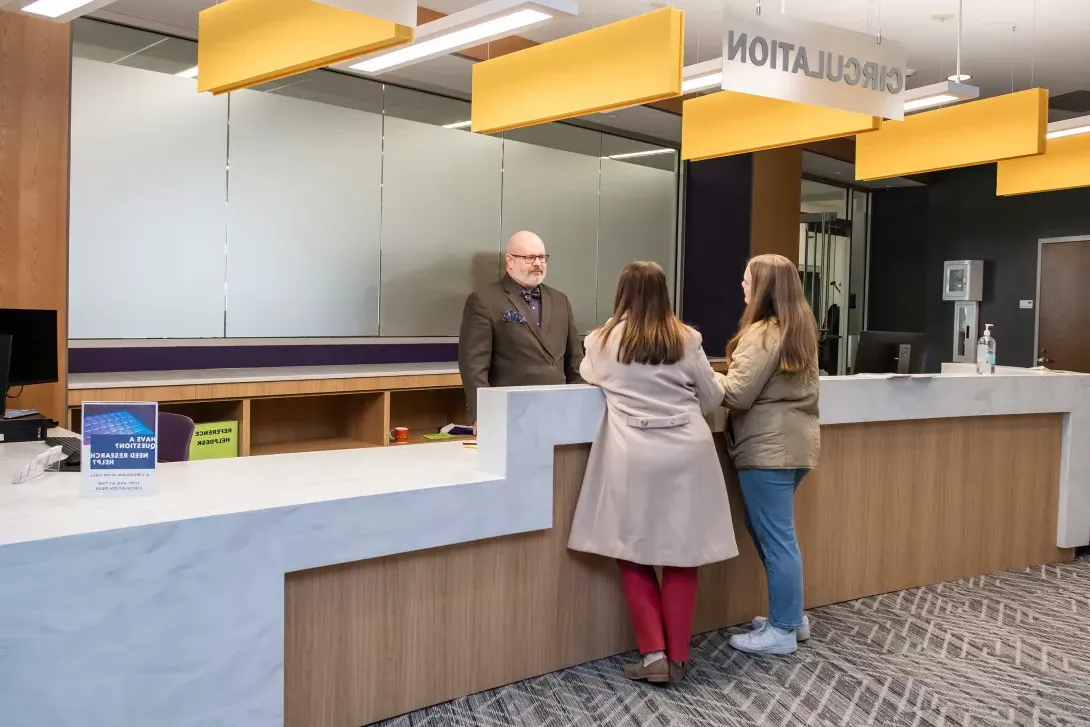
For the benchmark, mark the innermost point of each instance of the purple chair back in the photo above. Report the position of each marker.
(175, 436)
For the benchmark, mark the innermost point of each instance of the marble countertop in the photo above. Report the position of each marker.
(50, 507)
(137, 379)
(180, 596)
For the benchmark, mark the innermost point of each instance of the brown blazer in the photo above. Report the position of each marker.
(772, 420)
(495, 349)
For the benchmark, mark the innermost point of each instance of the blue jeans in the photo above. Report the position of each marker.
(770, 519)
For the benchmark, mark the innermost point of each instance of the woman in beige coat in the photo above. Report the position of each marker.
(653, 494)
(771, 393)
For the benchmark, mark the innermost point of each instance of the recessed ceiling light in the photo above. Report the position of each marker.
(458, 125)
(479, 24)
(937, 94)
(958, 79)
(698, 76)
(188, 73)
(56, 8)
(1068, 127)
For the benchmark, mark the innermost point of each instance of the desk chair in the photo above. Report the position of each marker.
(175, 436)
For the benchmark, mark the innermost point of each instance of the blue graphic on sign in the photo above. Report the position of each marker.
(122, 452)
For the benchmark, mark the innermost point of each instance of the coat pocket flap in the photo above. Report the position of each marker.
(657, 422)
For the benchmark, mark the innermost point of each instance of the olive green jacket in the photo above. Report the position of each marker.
(772, 418)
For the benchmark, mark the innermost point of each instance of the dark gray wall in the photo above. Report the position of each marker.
(959, 217)
(717, 225)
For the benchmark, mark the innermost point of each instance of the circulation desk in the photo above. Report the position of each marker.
(336, 588)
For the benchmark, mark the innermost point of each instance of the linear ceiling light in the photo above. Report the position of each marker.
(1068, 127)
(937, 94)
(62, 10)
(458, 125)
(188, 73)
(476, 25)
(634, 154)
(699, 76)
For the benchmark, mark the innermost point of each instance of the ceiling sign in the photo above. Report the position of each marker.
(1064, 165)
(402, 12)
(976, 132)
(626, 63)
(726, 122)
(788, 58)
(247, 42)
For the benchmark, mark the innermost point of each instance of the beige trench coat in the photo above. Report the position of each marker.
(654, 490)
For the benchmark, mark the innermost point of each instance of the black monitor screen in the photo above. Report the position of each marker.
(33, 345)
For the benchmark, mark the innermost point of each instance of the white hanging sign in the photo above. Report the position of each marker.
(785, 57)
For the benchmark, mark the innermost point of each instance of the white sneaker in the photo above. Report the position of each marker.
(766, 640)
(802, 633)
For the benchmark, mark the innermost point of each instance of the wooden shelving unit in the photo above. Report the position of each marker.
(312, 423)
(426, 411)
(311, 415)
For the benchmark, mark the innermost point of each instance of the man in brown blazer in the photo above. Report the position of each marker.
(518, 332)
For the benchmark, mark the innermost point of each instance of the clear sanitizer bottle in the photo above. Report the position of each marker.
(985, 352)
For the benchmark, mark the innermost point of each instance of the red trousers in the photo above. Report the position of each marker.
(661, 617)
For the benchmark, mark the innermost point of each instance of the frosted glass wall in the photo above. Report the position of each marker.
(327, 205)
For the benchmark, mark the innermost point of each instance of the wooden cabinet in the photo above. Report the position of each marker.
(308, 415)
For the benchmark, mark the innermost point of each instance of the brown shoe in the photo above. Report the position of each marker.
(679, 670)
(657, 672)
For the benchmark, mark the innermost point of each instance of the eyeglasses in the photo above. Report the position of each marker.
(531, 258)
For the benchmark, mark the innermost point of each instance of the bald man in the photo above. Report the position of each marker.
(518, 332)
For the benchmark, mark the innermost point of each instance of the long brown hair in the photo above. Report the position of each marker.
(652, 333)
(775, 294)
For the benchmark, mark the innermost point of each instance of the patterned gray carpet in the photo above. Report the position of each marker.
(1012, 649)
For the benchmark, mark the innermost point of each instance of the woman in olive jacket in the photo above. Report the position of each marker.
(771, 394)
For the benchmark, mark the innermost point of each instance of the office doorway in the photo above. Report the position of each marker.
(1063, 303)
(833, 246)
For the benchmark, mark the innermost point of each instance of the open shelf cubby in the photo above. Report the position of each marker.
(425, 411)
(315, 423)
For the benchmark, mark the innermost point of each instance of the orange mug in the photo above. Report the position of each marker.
(399, 435)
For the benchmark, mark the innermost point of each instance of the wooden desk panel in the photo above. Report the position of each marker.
(892, 505)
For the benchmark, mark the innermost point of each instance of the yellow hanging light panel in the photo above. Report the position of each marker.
(626, 63)
(247, 42)
(1064, 165)
(725, 123)
(978, 132)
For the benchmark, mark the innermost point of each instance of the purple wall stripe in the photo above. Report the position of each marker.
(180, 358)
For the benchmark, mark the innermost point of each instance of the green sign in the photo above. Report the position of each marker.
(214, 440)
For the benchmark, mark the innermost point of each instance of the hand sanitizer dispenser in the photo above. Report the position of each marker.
(985, 352)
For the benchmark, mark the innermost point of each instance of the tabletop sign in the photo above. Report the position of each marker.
(792, 59)
(120, 449)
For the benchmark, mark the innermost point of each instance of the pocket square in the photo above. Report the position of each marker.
(513, 316)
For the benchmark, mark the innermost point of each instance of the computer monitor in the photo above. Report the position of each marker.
(33, 358)
(5, 357)
(889, 352)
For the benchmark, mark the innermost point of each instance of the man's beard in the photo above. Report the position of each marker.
(527, 282)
